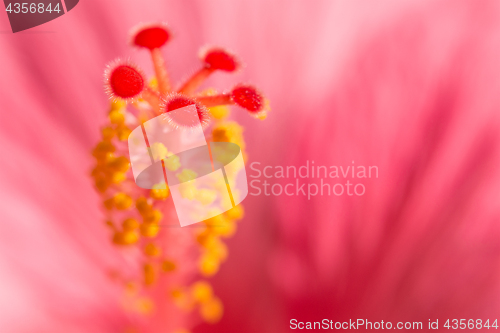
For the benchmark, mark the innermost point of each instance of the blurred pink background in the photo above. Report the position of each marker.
(411, 87)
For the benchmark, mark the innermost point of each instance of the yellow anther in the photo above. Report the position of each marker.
(123, 132)
(102, 150)
(130, 224)
(116, 117)
(159, 151)
(201, 291)
(216, 248)
(187, 190)
(142, 205)
(226, 229)
(168, 266)
(122, 201)
(208, 264)
(172, 162)
(212, 310)
(182, 300)
(236, 213)
(125, 238)
(229, 131)
(205, 196)
(107, 133)
(186, 175)
(118, 105)
(119, 164)
(154, 216)
(101, 183)
(149, 274)
(149, 229)
(159, 192)
(118, 177)
(219, 112)
(152, 250)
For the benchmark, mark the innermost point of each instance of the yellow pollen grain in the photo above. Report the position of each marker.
(118, 105)
(107, 133)
(208, 264)
(154, 216)
(101, 183)
(201, 291)
(122, 201)
(152, 250)
(205, 196)
(212, 310)
(172, 163)
(187, 190)
(119, 164)
(186, 175)
(159, 192)
(159, 151)
(182, 299)
(168, 266)
(123, 132)
(219, 112)
(149, 230)
(142, 205)
(109, 203)
(102, 150)
(118, 177)
(126, 238)
(149, 274)
(116, 117)
(130, 224)
(236, 213)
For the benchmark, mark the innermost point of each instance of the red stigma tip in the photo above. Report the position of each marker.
(151, 36)
(217, 58)
(248, 98)
(124, 80)
(176, 101)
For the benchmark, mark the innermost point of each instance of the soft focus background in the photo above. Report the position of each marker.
(409, 86)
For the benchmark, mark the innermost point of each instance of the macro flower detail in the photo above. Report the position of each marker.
(167, 265)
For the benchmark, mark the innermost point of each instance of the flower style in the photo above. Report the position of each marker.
(161, 281)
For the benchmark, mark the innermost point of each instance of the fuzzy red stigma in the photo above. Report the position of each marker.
(151, 36)
(124, 80)
(248, 98)
(218, 58)
(176, 101)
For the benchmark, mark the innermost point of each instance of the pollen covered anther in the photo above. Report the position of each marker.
(124, 80)
(214, 59)
(176, 101)
(153, 36)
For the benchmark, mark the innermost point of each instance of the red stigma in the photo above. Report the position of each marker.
(248, 98)
(220, 59)
(177, 101)
(124, 80)
(151, 36)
